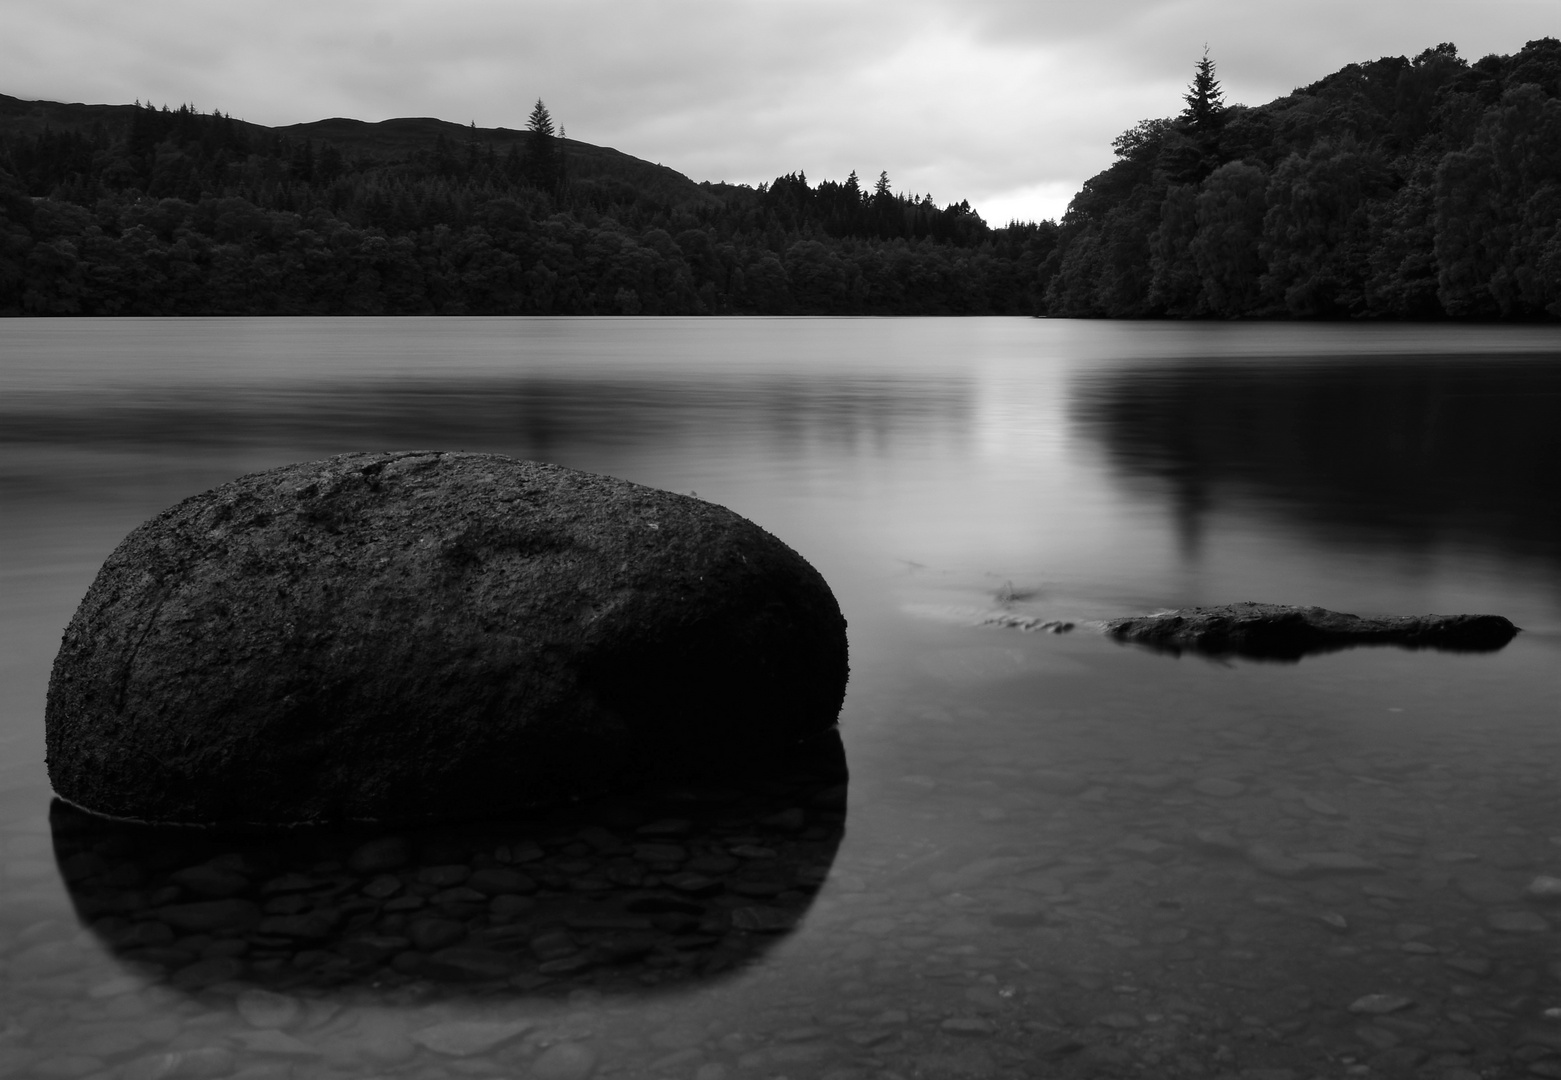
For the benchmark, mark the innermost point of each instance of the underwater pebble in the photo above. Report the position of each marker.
(270, 1041)
(968, 1025)
(1478, 966)
(376, 856)
(564, 1061)
(463, 1038)
(205, 1063)
(1545, 889)
(1517, 922)
(1337, 862)
(1380, 1004)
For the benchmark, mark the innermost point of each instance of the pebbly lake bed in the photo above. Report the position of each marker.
(1055, 854)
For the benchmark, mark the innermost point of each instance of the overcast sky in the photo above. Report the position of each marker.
(1008, 103)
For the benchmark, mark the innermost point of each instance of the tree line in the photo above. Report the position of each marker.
(182, 212)
(1401, 189)
(1424, 188)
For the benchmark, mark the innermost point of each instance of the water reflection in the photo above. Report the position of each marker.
(627, 895)
(530, 415)
(1408, 453)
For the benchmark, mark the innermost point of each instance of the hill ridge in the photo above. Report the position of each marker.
(1424, 188)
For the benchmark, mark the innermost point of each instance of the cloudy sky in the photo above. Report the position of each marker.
(1007, 103)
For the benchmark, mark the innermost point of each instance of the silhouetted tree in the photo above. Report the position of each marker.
(1205, 100)
(544, 166)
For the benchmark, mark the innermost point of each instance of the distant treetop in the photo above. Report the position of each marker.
(1205, 100)
(540, 121)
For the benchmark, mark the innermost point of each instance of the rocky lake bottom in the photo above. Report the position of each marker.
(1113, 884)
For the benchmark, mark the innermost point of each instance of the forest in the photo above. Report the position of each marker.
(134, 210)
(1397, 189)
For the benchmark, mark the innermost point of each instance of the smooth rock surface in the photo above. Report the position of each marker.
(431, 636)
(1280, 632)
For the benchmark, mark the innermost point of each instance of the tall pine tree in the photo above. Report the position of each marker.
(544, 168)
(1205, 100)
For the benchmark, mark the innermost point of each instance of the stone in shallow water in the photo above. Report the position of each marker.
(1271, 860)
(1147, 848)
(462, 962)
(211, 881)
(278, 1043)
(564, 1061)
(968, 1025)
(211, 915)
(1478, 966)
(208, 972)
(431, 934)
(1219, 842)
(500, 881)
(463, 1038)
(763, 920)
(203, 1063)
(428, 636)
(1218, 787)
(385, 853)
(1380, 1004)
(312, 926)
(1545, 889)
(1280, 632)
(1518, 922)
(1058, 782)
(265, 1009)
(1484, 890)
(1337, 862)
(1388, 890)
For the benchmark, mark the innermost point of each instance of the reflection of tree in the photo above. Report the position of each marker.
(1421, 451)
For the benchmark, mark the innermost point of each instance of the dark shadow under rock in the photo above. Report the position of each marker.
(1280, 632)
(626, 895)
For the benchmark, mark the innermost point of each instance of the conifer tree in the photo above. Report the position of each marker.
(544, 159)
(1205, 100)
(540, 122)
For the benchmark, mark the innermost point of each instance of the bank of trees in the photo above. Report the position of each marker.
(174, 211)
(1412, 189)
(1409, 189)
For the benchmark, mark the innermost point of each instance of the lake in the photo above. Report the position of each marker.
(1056, 855)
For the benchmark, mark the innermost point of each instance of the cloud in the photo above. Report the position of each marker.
(1002, 102)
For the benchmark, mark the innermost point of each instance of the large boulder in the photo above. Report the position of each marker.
(1281, 632)
(430, 636)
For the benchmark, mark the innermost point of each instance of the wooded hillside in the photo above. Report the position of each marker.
(136, 210)
(1410, 189)
(1404, 189)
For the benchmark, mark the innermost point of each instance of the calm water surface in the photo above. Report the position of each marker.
(1056, 855)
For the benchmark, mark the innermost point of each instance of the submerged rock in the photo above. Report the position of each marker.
(1280, 632)
(430, 636)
